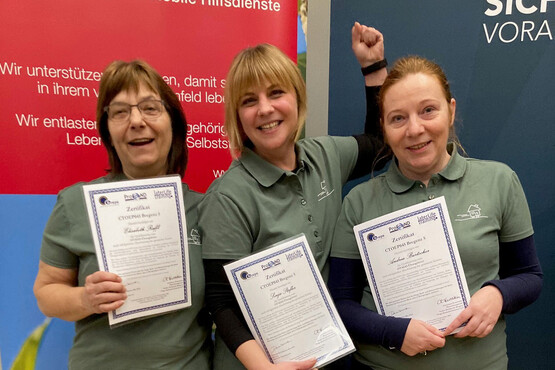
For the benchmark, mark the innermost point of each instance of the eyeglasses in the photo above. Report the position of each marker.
(120, 112)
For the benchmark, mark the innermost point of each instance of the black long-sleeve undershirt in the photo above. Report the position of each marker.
(372, 154)
(220, 299)
(520, 283)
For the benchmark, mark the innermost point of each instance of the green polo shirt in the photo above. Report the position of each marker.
(256, 204)
(177, 340)
(486, 206)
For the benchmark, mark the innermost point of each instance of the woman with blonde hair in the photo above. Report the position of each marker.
(278, 186)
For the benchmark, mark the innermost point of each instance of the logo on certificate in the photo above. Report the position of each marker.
(104, 201)
(270, 264)
(399, 226)
(371, 237)
(160, 194)
(432, 216)
(294, 255)
(245, 275)
(134, 196)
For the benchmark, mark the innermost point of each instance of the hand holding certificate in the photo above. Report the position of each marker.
(140, 234)
(412, 264)
(286, 304)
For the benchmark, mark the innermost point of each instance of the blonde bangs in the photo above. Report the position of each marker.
(257, 66)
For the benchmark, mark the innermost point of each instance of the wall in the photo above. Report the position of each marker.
(505, 93)
(185, 40)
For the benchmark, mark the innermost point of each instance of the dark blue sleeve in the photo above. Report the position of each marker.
(346, 284)
(520, 274)
(223, 307)
(372, 152)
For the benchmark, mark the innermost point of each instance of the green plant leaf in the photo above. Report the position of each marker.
(27, 356)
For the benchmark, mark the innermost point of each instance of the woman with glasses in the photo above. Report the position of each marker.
(143, 127)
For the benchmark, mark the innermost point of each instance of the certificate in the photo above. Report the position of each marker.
(140, 233)
(413, 265)
(286, 304)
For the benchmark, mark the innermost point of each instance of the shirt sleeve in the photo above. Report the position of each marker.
(516, 222)
(372, 152)
(224, 227)
(56, 238)
(520, 274)
(224, 239)
(344, 244)
(223, 306)
(346, 283)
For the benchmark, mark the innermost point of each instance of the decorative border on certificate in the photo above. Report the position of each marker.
(406, 247)
(271, 269)
(305, 249)
(148, 194)
(439, 208)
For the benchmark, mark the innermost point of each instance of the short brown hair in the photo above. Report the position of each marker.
(128, 76)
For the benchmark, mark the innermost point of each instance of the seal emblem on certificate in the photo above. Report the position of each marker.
(140, 233)
(412, 264)
(287, 305)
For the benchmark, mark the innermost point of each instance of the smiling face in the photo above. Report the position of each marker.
(417, 120)
(255, 70)
(268, 115)
(141, 145)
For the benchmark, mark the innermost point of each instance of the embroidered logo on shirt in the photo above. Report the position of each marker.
(194, 238)
(474, 211)
(324, 193)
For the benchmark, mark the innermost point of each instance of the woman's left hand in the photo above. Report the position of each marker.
(480, 316)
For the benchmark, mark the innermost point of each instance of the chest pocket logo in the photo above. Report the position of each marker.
(325, 192)
(474, 211)
(194, 238)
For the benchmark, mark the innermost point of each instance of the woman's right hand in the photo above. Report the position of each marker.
(103, 292)
(295, 365)
(58, 294)
(253, 358)
(421, 337)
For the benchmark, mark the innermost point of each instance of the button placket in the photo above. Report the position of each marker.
(423, 191)
(431, 188)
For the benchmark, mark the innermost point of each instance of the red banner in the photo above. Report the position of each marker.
(52, 56)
